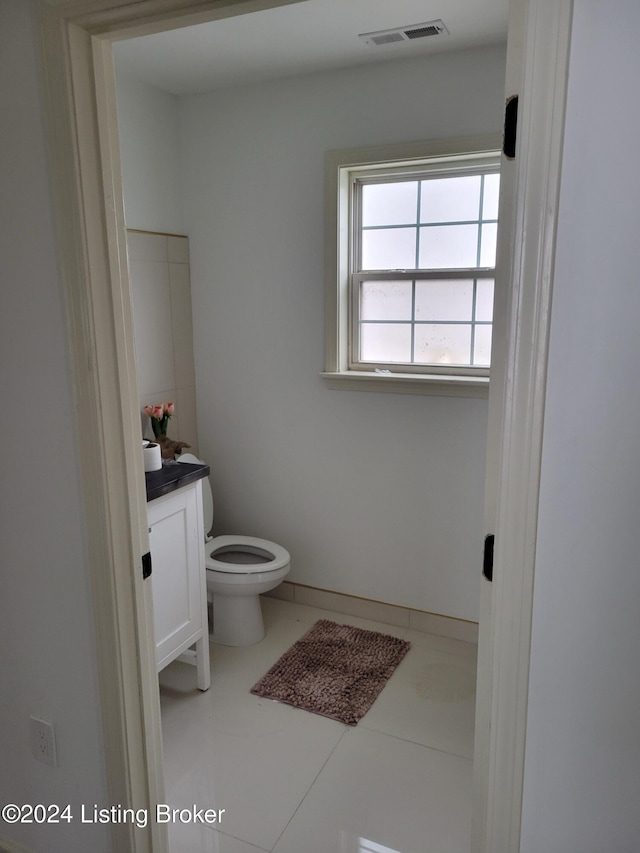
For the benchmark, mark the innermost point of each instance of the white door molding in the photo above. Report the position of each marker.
(544, 27)
(94, 272)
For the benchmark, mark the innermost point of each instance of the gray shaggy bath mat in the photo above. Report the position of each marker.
(334, 670)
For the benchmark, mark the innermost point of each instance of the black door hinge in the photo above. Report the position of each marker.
(487, 567)
(146, 565)
(510, 125)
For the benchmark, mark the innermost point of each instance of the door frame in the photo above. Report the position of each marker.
(85, 168)
(537, 71)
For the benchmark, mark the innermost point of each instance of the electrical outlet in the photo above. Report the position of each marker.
(43, 743)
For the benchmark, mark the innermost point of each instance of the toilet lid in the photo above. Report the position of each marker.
(277, 556)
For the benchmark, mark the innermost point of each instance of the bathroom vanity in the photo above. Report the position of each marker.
(176, 537)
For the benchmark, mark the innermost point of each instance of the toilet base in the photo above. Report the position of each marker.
(237, 620)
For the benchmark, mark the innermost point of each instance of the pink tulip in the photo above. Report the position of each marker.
(158, 411)
(169, 409)
(148, 410)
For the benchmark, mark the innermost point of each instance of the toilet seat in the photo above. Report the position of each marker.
(277, 557)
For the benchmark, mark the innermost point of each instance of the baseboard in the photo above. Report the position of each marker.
(379, 611)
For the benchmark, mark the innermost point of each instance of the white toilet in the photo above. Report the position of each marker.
(239, 569)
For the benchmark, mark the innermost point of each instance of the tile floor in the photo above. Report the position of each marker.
(294, 782)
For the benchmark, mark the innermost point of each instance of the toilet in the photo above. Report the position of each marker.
(239, 569)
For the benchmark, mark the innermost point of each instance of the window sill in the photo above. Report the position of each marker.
(437, 385)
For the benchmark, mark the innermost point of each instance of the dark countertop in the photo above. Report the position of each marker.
(173, 475)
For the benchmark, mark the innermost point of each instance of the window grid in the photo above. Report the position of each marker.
(473, 274)
(413, 322)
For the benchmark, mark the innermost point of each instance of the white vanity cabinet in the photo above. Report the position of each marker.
(178, 579)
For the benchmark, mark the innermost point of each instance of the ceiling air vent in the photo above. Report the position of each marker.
(400, 34)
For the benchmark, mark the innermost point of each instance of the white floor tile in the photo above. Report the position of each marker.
(259, 780)
(443, 644)
(429, 699)
(191, 838)
(283, 773)
(379, 790)
(250, 756)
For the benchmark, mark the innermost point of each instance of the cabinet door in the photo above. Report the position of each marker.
(177, 576)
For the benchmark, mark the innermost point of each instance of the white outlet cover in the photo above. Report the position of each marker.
(43, 742)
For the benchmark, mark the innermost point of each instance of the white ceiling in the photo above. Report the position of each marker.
(310, 36)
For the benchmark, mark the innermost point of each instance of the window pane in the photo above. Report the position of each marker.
(490, 196)
(390, 204)
(389, 249)
(447, 344)
(448, 246)
(385, 300)
(444, 300)
(482, 346)
(484, 299)
(450, 199)
(489, 234)
(385, 342)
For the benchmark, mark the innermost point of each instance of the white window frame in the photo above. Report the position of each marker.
(342, 168)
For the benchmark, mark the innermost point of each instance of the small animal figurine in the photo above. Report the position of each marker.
(169, 447)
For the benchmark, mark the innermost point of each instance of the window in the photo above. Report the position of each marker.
(412, 251)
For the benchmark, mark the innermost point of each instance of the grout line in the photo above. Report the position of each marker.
(380, 733)
(156, 233)
(235, 838)
(315, 779)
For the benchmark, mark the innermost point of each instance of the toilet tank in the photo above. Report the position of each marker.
(207, 496)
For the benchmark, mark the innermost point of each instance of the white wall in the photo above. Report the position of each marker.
(163, 330)
(376, 495)
(47, 649)
(582, 774)
(149, 156)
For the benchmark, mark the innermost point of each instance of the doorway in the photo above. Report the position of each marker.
(104, 260)
(234, 213)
